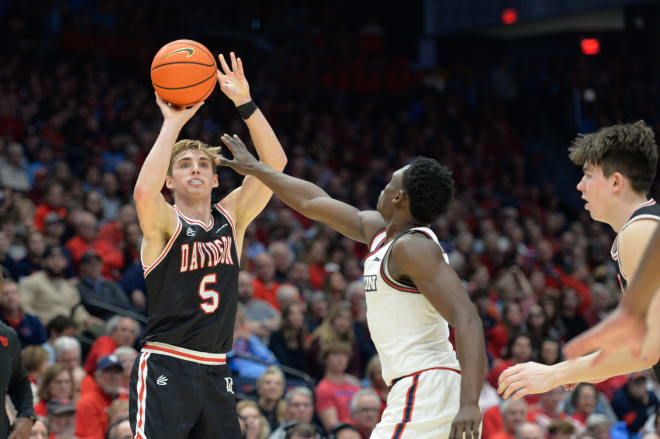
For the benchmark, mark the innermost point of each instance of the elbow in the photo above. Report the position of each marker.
(142, 194)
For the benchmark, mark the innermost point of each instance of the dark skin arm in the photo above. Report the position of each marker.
(421, 260)
(305, 197)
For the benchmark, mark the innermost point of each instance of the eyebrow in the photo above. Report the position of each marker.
(182, 159)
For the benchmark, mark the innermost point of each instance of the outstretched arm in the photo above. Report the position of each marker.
(305, 197)
(247, 201)
(422, 260)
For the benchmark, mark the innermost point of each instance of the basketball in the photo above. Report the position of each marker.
(183, 72)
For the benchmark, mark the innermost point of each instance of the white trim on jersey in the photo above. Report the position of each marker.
(149, 268)
(225, 213)
(615, 251)
(141, 396)
(194, 221)
(184, 354)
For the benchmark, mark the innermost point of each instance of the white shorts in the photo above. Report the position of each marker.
(420, 406)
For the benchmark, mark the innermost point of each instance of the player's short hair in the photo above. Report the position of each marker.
(430, 187)
(626, 148)
(183, 145)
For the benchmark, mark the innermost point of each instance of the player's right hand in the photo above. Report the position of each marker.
(467, 420)
(177, 115)
(526, 379)
(244, 163)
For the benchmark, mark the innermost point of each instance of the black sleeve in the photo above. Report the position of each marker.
(19, 389)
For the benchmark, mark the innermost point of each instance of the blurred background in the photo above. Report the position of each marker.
(496, 90)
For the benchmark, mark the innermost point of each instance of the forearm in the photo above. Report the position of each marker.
(152, 175)
(471, 351)
(582, 370)
(644, 285)
(293, 192)
(265, 141)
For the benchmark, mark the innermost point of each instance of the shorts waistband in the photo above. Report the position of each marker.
(184, 354)
(394, 381)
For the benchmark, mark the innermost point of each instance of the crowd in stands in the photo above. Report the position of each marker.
(75, 128)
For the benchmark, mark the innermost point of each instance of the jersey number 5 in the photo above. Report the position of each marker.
(211, 297)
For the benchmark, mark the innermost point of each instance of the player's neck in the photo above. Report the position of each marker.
(195, 209)
(397, 227)
(626, 208)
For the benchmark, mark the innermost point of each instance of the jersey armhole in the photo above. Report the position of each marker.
(149, 268)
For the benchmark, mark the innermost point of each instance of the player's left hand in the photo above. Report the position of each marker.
(22, 429)
(525, 379)
(467, 420)
(232, 81)
(243, 161)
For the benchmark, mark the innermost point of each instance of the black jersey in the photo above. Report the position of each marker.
(648, 210)
(193, 286)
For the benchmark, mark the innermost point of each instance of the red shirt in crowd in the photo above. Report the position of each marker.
(331, 394)
(266, 293)
(91, 417)
(104, 345)
(42, 211)
(113, 259)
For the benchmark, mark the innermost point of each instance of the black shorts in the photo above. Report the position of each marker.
(171, 398)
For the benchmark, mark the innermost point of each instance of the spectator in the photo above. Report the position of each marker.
(302, 430)
(121, 331)
(100, 297)
(356, 297)
(374, 374)
(92, 420)
(67, 353)
(13, 169)
(270, 389)
(286, 294)
(549, 351)
(264, 284)
(334, 287)
(249, 354)
(282, 258)
(127, 355)
(529, 430)
(518, 351)
(299, 409)
(57, 327)
(35, 361)
(14, 383)
(335, 390)
(54, 203)
(514, 413)
(585, 401)
(120, 429)
(344, 430)
(62, 418)
(599, 426)
(36, 246)
(117, 411)
(336, 327)
(288, 343)
(548, 408)
(92, 204)
(571, 320)
(85, 240)
(253, 424)
(299, 276)
(561, 429)
(39, 430)
(111, 200)
(6, 260)
(318, 310)
(262, 318)
(48, 294)
(365, 411)
(633, 402)
(54, 230)
(538, 326)
(504, 331)
(57, 383)
(29, 329)
(602, 303)
(112, 231)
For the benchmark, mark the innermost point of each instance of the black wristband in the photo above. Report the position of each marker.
(247, 109)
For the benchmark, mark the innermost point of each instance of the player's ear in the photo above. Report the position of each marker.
(215, 180)
(400, 197)
(169, 182)
(617, 181)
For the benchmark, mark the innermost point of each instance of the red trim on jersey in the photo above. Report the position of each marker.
(407, 410)
(194, 221)
(650, 202)
(223, 211)
(380, 246)
(391, 283)
(185, 355)
(380, 232)
(141, 399)
(166, 250)
(425, 370)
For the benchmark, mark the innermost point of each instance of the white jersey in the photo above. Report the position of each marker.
(409, 333)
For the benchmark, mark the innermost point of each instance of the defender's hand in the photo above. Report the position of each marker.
(525, 379)
(244, 163)
(232, 81)
(467, 421)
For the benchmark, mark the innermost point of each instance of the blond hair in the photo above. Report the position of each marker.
(183, 145)
(264, 427)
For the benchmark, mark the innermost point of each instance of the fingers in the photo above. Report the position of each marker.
(511, 385)
(234, 65)
(227, 140)
(240, 66)
(504, 377)
(456, 430)
(223, 64)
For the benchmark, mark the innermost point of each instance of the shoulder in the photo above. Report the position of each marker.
(8, 333)
(637, 230)
(413, 249)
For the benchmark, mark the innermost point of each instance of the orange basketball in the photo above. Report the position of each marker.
(183, 72)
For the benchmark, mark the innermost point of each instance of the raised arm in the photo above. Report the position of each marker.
(305, 197)
(247, 201)
(157, 218)
(423, 262)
